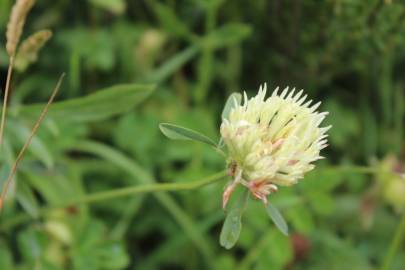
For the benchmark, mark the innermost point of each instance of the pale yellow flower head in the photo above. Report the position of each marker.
(273, 141)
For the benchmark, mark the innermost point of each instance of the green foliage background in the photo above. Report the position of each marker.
(177, 61)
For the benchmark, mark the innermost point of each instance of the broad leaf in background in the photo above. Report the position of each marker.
(114, 6)
(38, 147)
(6, 259)
(233, 223)
(233, 100)
(169, 20)
(94, 107)
(181, 133)
(277, 218)
(31, 244)
(96, 250)
(346, 124)
(226, 35)
(172, 65)
(25, 196)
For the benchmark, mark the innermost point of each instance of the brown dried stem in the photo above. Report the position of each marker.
(28, 142)
(5, 100)
(14, 30)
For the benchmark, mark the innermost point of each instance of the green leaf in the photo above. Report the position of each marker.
(281, 255)
(4, 172)
(227, 35)
(301, 219)
(37, 148)
(26, 198)
(233, 100)
(112, 255)
(233, 223)
(6, 259)
(181, 133)
(323, 203)
(277, 218)
(170, 21)
(114, 6)
(31, 244)
(172, 65)
(94, 107)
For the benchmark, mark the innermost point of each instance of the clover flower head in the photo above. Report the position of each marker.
(272, 141)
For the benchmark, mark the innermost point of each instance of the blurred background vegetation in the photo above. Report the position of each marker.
(348, 53)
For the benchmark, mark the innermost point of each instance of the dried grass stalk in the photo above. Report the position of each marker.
(16, 24)
(14, 30)
(29, 49)
(28, 142)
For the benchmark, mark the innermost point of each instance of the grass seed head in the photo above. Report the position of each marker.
(29, 49)
(16, 24)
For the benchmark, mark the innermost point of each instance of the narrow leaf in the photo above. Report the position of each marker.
(170, 21)
(227, 35)
(38, 148)
(114, 6)
(26, 198)
(181, 133)
(233, 100)
(172, 65)
(94, 107)
(277, 218)
(233, 223)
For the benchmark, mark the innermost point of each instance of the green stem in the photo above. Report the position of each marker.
(121, 192)
(127, 191)
(395, 244)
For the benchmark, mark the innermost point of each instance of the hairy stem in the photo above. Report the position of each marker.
(127, 191)
(122, 192)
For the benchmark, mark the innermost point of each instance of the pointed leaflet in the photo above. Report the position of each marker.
(181, 133)
(277, 218)
(233, 225)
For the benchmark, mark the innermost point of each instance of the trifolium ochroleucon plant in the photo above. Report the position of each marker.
(272, 141)
(267, 142)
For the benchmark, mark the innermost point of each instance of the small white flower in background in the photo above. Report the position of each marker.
(272, 141)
